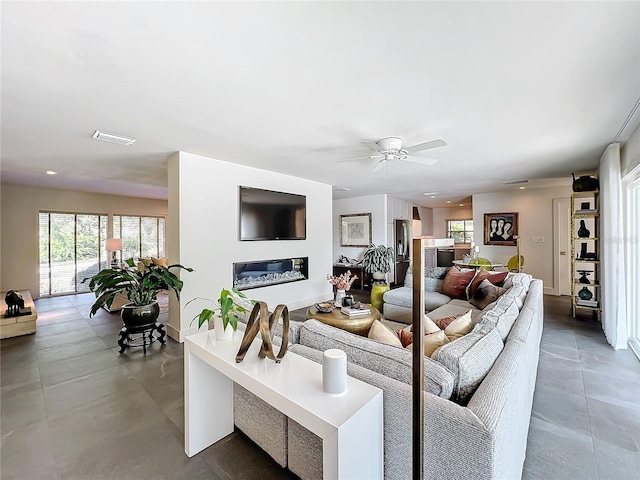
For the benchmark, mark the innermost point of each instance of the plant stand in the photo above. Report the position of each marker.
(146, 332)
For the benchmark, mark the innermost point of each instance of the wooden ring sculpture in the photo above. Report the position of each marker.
(261, 321)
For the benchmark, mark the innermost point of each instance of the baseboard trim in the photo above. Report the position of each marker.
(549, 291)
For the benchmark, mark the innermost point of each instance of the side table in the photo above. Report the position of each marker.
(20, 325)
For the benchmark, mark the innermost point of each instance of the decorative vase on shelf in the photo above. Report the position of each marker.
(585, 294)
(340, 294)
(583, 232)
(222, 333)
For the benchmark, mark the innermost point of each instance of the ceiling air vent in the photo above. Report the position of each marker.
(113, 138)
(515, 182)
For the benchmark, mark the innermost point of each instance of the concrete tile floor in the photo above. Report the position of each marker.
(73, 408)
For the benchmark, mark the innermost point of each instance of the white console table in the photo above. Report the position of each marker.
(349, 424)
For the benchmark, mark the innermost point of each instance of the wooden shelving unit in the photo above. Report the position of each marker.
(585, 252)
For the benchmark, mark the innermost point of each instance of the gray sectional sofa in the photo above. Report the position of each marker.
(477, 397)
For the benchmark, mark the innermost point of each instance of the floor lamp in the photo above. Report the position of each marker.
(113, 246)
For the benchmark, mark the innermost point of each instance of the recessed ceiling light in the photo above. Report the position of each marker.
(113, 138)
(522, 187)
(51, 172)
(433, 196)
(448, 201)
(461, 205)
(430, 194)
(342, 189)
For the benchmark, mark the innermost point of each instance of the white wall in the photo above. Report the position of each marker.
(203, 200)
(535, 209)
(19, 252)
(426, 222)
(441, 215)
(630, 153)
(376, 205)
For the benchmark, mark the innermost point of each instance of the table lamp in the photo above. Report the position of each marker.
(114, 245)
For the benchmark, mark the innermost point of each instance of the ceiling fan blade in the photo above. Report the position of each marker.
(379, 165)
(373, 146)
(426, 146)
(420, 160)
(368, 157)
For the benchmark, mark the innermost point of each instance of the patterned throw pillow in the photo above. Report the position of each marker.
(444, 322)
(436, 272)
(486, 293)
(456, 282)
(494, 277)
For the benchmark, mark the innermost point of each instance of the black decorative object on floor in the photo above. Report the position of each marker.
(583, 232)
(146, 332)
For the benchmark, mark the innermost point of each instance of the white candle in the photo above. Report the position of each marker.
(477, 248)
(472, 245)
(334, 371)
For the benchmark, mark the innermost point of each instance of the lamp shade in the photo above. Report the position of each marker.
(114, 244)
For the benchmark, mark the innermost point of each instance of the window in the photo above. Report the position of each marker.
(460, 230)
(141, 236)
(72, 248)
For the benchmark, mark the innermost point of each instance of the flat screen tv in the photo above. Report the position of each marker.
(269, 215)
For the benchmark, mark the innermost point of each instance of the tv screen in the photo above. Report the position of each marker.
(269, 215)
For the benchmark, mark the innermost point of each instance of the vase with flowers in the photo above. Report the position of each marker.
(342, 283)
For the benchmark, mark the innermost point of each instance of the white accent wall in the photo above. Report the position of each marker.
(204, 207)
(535, 219)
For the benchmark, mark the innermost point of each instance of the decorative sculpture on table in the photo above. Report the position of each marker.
(261, 321)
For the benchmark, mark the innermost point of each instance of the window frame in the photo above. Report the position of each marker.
(466, 233)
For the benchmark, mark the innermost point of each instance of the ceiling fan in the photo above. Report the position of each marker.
(390, 148)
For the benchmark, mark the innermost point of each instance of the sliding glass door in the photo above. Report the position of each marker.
(72, 248)
(631, 185)
(141, 236)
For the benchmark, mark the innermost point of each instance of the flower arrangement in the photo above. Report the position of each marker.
(343, 281)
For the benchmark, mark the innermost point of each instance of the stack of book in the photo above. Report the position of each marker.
(585, 211)
(587, 303)
(355, 311)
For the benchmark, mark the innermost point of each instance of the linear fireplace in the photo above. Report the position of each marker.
(248, 275)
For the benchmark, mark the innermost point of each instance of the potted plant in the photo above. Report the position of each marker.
(377, 261)
(230, 306)
(140, 283)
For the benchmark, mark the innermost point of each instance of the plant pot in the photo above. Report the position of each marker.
(139, 316)
(379, 276)
(377, 291)
(222, 333)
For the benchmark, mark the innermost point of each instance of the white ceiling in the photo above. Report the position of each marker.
(517, 90)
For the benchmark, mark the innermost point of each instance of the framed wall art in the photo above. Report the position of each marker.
(355, 230)
(500, 228)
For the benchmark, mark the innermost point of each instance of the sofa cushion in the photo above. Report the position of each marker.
(383, 334)
(391, 361)
(456, 282)
(459, 327)
(523, 279)
(470, 358)
(403, 297)
(501, 317)
(485, 294)
(432, 342)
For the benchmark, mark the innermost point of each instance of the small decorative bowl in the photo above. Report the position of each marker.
(325, 307)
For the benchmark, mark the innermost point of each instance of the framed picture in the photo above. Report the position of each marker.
(500, 228)
(355, 230)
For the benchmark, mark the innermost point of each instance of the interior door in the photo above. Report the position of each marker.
(563, 250)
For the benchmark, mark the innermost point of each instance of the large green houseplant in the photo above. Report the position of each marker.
(140, 282)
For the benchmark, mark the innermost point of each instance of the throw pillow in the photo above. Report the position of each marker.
(444, 322)
(427, 324)
(383, 334)
(486, 293)
(432, 342)
(459, 327)
(456, 281)
(406, 337)
(496, 278)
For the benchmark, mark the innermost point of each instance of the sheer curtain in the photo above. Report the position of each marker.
(614, 317)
